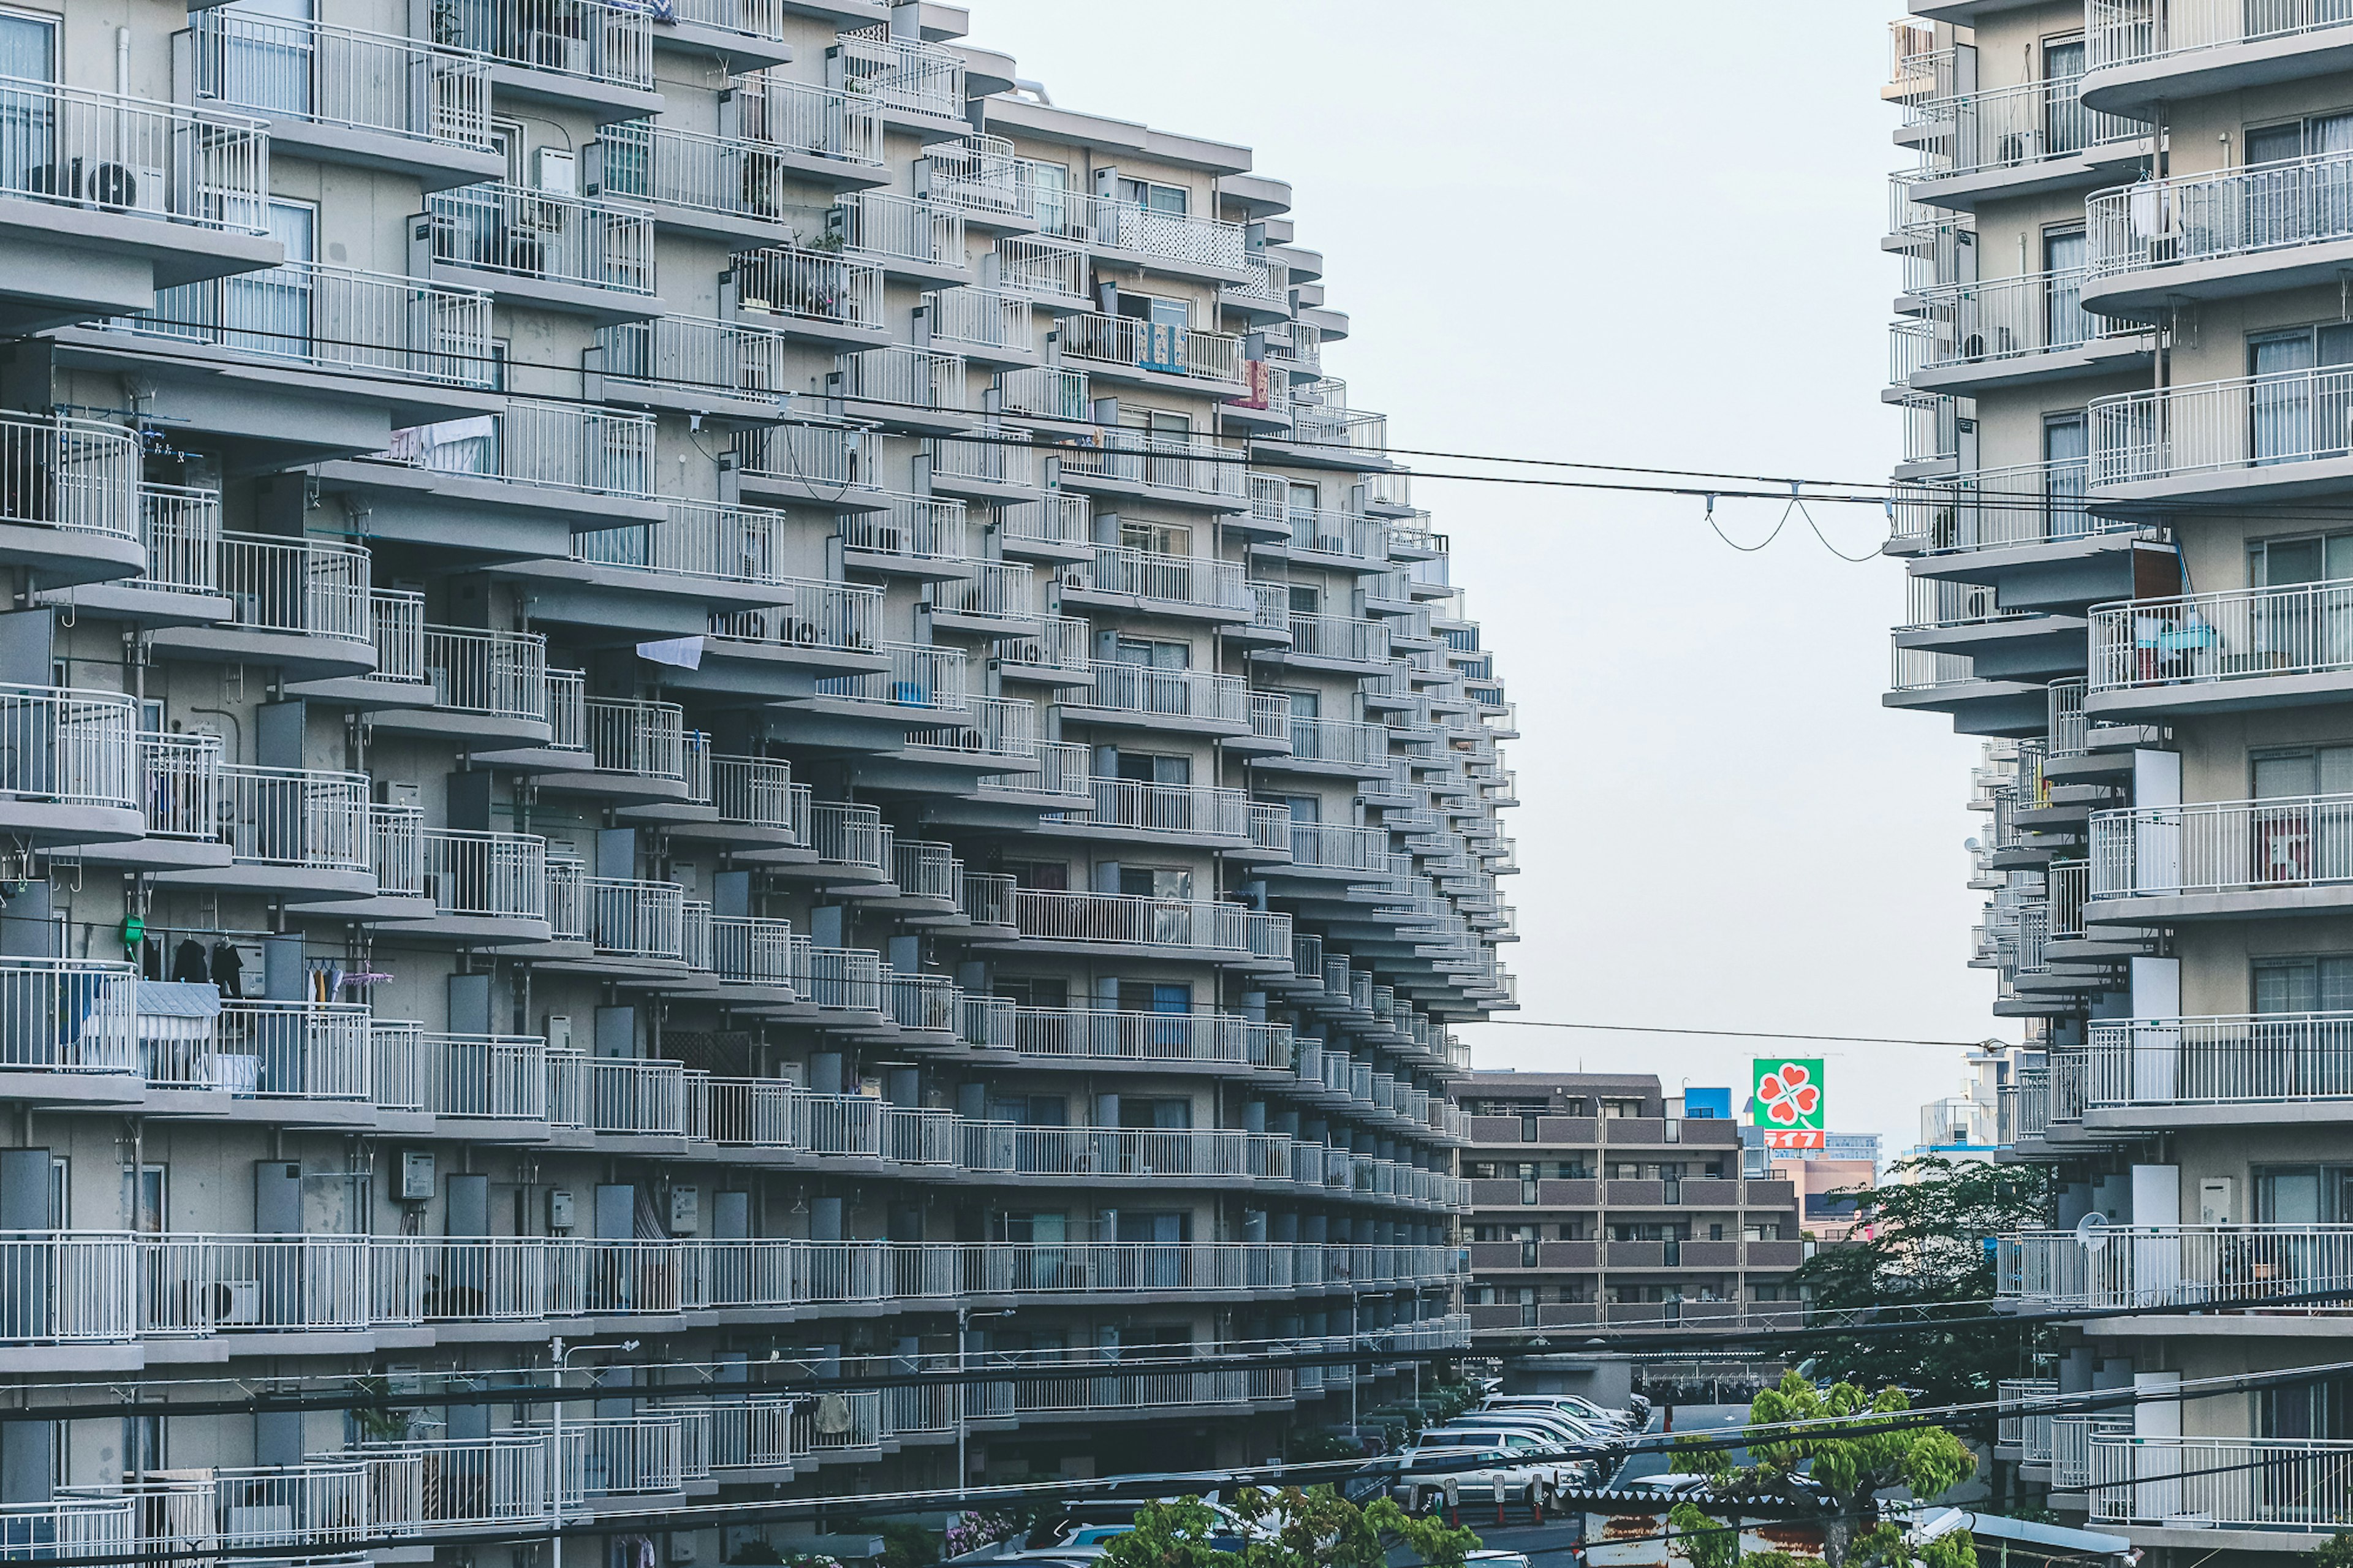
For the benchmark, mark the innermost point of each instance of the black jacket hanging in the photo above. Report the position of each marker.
(188, 962)
(229, 970)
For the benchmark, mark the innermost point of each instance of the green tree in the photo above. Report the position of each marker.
(2337, 1551)
(1923, 1244)
(1839, 1460)
(1293, 1528)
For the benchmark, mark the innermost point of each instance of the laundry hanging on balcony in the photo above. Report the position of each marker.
(686, 653)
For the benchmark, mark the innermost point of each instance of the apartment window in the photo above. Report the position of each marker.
(2293, 774)
(1610, 1108)
(1716, 1232)
(60, 1215)
(1162, 538)
(1305, 599)
(1149, 654)
(2065, 254)
(1527, 1127)
(143, 1453)
(2323, 984)
(1156, 882)
(1574, 1171)
(1164, 1115)
(1152, 1227)
(1763, 1230)
(1304, 499)
(1040, 876)
(2306, 137)
(1034, 991)
(1528, 1183)
(1033, 1227)
(1152, 767)
(1572, 1230)
(1031, 1109)
(2322, 1408)
(2303, 1194)
(1303, 704)
(2282, 422)
(2309, 558)
(1154, 996)
(1308, 808)
(1151, 193)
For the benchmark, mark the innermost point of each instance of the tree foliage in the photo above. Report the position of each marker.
(1293, 1528)
(1923, 1242)
(1826, 1449)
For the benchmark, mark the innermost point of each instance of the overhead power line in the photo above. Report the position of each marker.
(1734, 1034)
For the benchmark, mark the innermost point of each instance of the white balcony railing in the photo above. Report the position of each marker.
(2296, 416)
(1339, 741)
(1201, 467)
(837, 615)
(816, 121)
(1128, 920)
(636, 919)
(698, 539)
(999, 590)
(2124, 32)
(901, 376)
(674, 351)
(2176, 1264)
(2008, 318)
(289, 816)
(65, 747)
(1113, 223)
(2295, 1484)
(333, 316)
(528, 233)
(2222, 846)
(1142, 807)
(2015, 127)
(2231, 1060)
(986, 319)
(317, 587)
(1041, 268)
(486, 875)
(820, 457)
(2272, 207)
(134, 158)
(1060, 647)
(179, 784)
(1191, 580)
(2246, 634)
(847, 835)
(593, 39)
(558, 445)
(917, 527)
(994, 453)
(1060, 518)
(2032, 503)
(648, 738)
(810, 286)
(82, 475)
(903, 74)
(921, 676)
(68, 1015)
(1136, 345)
(729, 175)
(1172, 693)
(908, 229)
(498, 674)
(1045, 392)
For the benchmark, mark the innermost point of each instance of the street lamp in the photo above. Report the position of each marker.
(964, 1315)
(559, 1355)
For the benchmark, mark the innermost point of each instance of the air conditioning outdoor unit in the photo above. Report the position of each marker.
(237, 1302)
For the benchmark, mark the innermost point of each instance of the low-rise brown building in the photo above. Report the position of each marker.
(1596, 1202)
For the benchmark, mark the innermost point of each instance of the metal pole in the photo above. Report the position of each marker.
(555, 1460)
(964, 1330)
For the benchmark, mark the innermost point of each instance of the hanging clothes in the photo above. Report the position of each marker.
(188, 962)
(151, 960)
(832, 1413)
(228, 969)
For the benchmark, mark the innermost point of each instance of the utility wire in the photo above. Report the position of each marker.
(1732, 1034)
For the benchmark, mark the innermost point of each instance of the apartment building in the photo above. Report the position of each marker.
(693, 679)
(2122, 355)
(1596, 1202)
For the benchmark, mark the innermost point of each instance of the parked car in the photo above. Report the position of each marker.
(1574, 1405)
(1434, 1478)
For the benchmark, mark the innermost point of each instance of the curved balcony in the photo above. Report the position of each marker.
(69, 498)
(2035, 137)
(290, 832)
(486, 888)
(2139, 54)
(488, 688)
(69, 766)
(635, 922)
(1972, 338)
(634, 750)
(2253, 438)
(301, 604)
(2221, 861)
(2238, 649)
(2236, 232)
(829, 626)
(756, 809)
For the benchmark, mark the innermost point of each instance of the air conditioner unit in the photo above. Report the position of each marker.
(237, 1302)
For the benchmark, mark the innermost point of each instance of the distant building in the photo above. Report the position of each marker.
(1598, 1200)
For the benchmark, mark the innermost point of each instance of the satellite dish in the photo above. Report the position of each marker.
(2091, 1230)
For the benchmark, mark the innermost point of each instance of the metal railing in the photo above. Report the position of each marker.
(2250, 422)
(334, 317)
(627, 736)
(2029, 504)
(1128, 919)
(2176, 1264)
(981, 318)
(179, 784)
(2012, 127)
(698, 539)
(1172, 693)
(994, 453)
(2222, 846)
(810, 285)
(2244, 634)
(906, 377)
(65, 747)
(133, 157)
(921, 676)
(992, 726)
(2041, 313)
(1041, 268)
(2230, 1060)
(593, 39)
(58, 471)
(822, 615)
(180, 529)
(485, 876)
(1196, 351)
(1168, 808)
(1199, 466)
(726, 175)
(1340, 637)
(291, 817)
(2301, 1484)
(68, 1015)
(559, 444)
(1045, 392)
(1113, 223)
(1340, 741)
(1061, 646)
(915, 526)
(1058, 518)
(528, 233)
(672, 351)
(2122, 32)
(2209, 217)
(315, 587)
(800, 117)
(1170, 579)
(847, 835)
(501, 674)
(900, 228)
(999, 590)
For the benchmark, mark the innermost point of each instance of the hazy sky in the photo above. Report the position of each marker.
(1636, 234)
